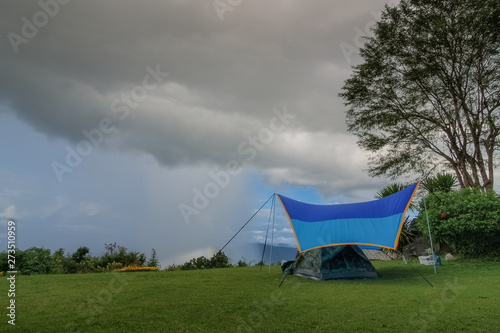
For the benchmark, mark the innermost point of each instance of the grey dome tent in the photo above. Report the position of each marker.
(334, 262)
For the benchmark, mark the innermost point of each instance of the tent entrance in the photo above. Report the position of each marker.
(335, 262)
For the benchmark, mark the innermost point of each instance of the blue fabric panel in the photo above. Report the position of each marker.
(382, 231)
(374, 223)
(388, 206)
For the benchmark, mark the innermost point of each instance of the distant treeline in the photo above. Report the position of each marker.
(37, 260)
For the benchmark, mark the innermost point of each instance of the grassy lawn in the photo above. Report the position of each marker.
(465, 298)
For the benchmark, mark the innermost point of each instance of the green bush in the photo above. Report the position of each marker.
(34, 260)
(242, 263)
(197, 263)
(118, 253)
(62, 263)
(218, 260)
(468, 220)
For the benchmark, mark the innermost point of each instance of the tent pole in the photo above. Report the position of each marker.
(261, 263)
(244, 225)
(271, 213)
(430, 236)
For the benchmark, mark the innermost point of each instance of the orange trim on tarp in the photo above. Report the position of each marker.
(289, 221)
(396, 241)
(339, 244)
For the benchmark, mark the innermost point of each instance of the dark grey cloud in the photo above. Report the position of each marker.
(225, 77)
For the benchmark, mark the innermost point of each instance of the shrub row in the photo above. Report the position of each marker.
(467, 220)
(41, 261)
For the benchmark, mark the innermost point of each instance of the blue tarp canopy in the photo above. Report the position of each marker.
(372, 224)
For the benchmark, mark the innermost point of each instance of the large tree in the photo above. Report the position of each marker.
(427, 93)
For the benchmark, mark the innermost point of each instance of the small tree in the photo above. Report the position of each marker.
(220, 260)
(442, 182)
(82, 261)
(60, 262)
(153, 260)
(242, 263)
(80, 254)
(34, 260)
(390, 189)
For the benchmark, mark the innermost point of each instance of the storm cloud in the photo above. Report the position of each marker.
(185, 87)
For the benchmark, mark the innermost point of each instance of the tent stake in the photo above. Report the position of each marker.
(283, 280)
(289, 269)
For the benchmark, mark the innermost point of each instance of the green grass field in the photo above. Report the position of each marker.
(465, 298)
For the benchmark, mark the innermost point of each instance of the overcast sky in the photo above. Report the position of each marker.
(166, 124)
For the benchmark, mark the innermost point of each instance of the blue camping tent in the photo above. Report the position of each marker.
(374, 224)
